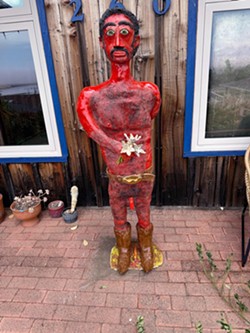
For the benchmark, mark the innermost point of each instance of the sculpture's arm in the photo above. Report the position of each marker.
(157, 95)
(90, 125)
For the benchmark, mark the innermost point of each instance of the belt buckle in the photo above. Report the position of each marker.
(132, 179)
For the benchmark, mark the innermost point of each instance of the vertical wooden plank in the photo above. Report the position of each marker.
(22, 178)
(52, 177)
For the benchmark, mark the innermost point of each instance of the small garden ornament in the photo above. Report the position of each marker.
(70, 214)
(118, 115)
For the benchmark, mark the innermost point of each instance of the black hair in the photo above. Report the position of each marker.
(123, 11)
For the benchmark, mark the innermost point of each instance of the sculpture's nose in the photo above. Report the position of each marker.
(117, 39)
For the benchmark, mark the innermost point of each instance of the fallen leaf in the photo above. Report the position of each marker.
(85, 243)
(103, 287)
(74, 227)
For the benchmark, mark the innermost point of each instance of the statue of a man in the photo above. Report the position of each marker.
(118, 115)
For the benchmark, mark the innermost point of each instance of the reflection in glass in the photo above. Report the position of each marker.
(11, 3)
(21, 116)
(228, 107)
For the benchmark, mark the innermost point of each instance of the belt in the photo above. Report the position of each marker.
(134, 178)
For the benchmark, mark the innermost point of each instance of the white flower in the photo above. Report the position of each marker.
(130, 145)
(127, 148)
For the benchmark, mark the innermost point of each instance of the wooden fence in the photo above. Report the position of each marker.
(161, 58)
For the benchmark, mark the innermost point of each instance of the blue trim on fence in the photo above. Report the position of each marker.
(19, 160)
(191, 49)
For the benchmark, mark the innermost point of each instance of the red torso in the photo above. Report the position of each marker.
(119, 108)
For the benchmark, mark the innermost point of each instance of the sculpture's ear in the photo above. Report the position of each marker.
(137, 41)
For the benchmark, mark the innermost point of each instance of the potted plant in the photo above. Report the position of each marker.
(27, 208)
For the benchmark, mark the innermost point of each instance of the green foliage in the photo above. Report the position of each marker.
(230, 294)
(240, 304)
(140, 324)
(199, 327)
(224, 325)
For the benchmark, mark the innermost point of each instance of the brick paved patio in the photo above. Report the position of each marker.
(54, 279)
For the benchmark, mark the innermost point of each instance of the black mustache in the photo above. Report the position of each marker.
(119, 48)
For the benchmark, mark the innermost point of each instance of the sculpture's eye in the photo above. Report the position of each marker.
(124, 32)
(110, 32)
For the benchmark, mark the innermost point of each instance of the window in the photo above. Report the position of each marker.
(31, 127)
(218, 78)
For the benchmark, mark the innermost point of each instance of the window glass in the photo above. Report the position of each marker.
(228, 107)
(11, 3)
(21, 115)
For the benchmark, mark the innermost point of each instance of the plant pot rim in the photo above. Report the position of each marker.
(12, 206)
(52, 204)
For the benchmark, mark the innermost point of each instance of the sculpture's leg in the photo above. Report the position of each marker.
(123, 242)
(122, 228)
(145, 246)
(144, 227)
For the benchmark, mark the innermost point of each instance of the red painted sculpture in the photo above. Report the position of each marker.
(118, 115)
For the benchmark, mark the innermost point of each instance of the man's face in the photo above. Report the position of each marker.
(119, 40)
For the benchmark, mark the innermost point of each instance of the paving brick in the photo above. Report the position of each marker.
(41, 311)
(141, 288)
(17, 325)
(188, 303)
(35, 262)
(4, 281)
(6, 295)
(104, 315)
(48, 326)
(208, 319)
(11, 260)
(29, 252)
(52, 252)
(79, 285)
(183, 277)
(29, 296)
(23, 283)
(173, 318)
(46, 244)
(170, 289)
(200, 289)
(180, 255)
(8, 309)
(16, 271)
(42, 272)
(65, 272)
(130, 316)
(71, 313)
(51, 284)
(75, 298)
(81, 327)
(60, 262)
(121, 300)
(107, 286)
(109, 328)
(154, 302)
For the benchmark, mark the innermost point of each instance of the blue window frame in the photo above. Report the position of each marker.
(31, 126)
(217, 116)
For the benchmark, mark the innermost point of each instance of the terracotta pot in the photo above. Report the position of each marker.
(27, 218)
(56, 208)
(2, 211)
